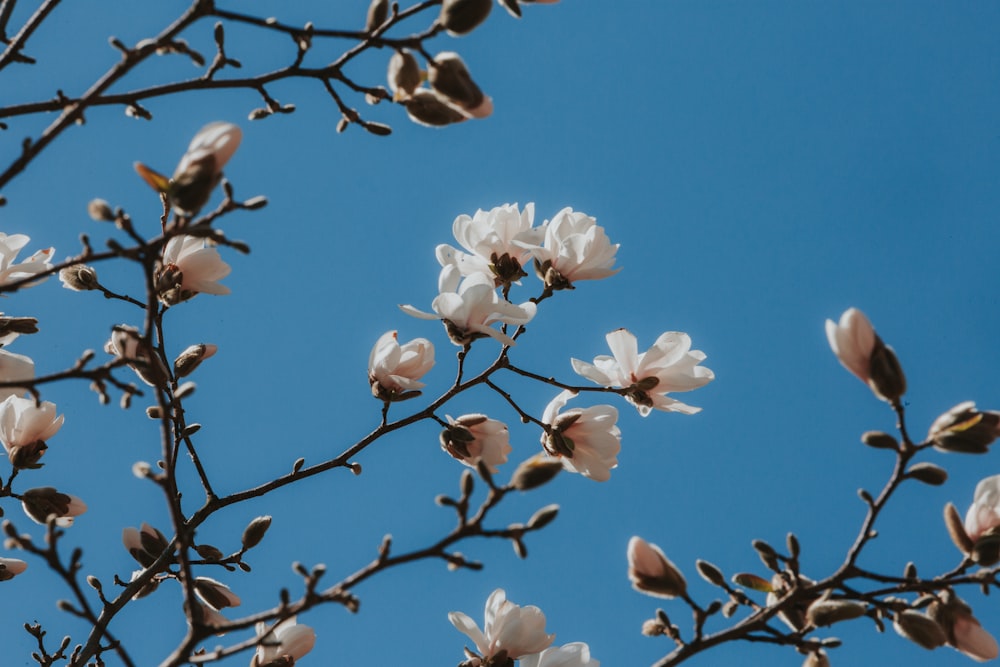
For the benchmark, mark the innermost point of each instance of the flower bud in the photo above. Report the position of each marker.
(378, 12)
(215, 594)
(928, 473)
(191, 358)
(254, 532)
(44, 503)
(449, 76)
(535, 472)
(965, 430)
(79, 278)
(919, 628)
(404, 74)
(11, 567)
(651, 572)
(817, 659)
(460, 17)
(100, 211)
(887, 378)
(824, 612)
(879, 440)
(426, 108)
(543, 517)
(963, 630)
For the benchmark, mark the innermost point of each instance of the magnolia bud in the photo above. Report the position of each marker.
(378, 12)
(449, 76)
(460, 17)
(822, 613)
(535, 472)
(879, 440)
(191, 358)
(919, 628)
(887, 378)
(428, 109)
(928, 473)
(254, 532)
(79, 278)
(651, 572)
(965, 430)
(404, 74)
(100, 211)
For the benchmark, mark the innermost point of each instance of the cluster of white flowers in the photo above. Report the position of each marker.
(512, 632)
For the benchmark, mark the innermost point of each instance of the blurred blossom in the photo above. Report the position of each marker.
(965, 429)
(982, 521)
(489, 237)
(14, 367)
(24, 428)
(510, 630)
(394, 370)
(10, 245)
(475, 438)
(860, 350)
(199, 170)
(962, 629)
(192, 356)
(586, 440)
(145, 544)
(11, 567)
(575, 654)
(190, 265)
(574, 247)
(42, 502)
(285, 640)
(468, 312)
(651, 572)
(12, 327)
(670, 365)
(404, 75)
(126, 343)
(215, 593)
(449, 77)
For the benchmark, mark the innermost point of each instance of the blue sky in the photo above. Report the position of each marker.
(763, 165)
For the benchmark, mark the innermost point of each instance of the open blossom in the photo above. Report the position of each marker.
(586, 440)
(488, 237)
(10, 245)
(285, 640)
(14, 367)
(574, 654)
(983, 517)
(860, 350)
(24, 428)
(199, 170)
(965, 429)
(475, 438)
(190, 265)
(468, 312)
(44, 502)
(574, 247)
(651, 572)
(509, 630)
(11, 567)
(670, 365)
(394, 370)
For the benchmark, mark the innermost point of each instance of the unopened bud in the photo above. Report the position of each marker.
(887, 378)
(460, 17)
(965, 430)
(822, 613)
(543, 517)
(404, 74)
(879, 440)
(710, 573)
(378, 12)
(100, 211)
(191, 358)
(79, 278)
(426, 108)
(651, 572)
(928, 473)
(956, 529)
(817, 659)
(535, 472)
(449, 76)
(919, 628)
(254, 532)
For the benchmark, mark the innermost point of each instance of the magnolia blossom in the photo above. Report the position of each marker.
(24, 428)
(191, 265)
(969, 637)
(14, 367)
(145, 544)
(984, 514)
(12, 327)
(509, 629)
(215, 593)
(669, 365)
(468, 312)
(489, 237)
(574, 248)
(44, 502)
(394, 370)
(199, 170)
(126, 343)
(11, 567)
(860, 350)
(575, 654)
(651, 572)
(965, 429)
(287, 639)
(586, 440)
(475, 438)
(10, 245)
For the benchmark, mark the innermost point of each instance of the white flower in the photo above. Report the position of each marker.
(44, 502)
(651, 572)
(517, 631)
(984, 513)
(860, 350)
(669, 365)
(199, 170)
(394, 370)
(14, 367)
(574, 248)
(586, 440)
(286, 639)
(191, 265)
(475, 438)
(489, 237)
(575, 654)
(468, 312)
(126, 343)
(24, 428)
(10, 245)
(11, 567)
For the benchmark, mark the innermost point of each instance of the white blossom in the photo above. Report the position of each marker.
(860, 350)
(394, 369)
(651, 572)
(574, 654)
(574, 247)
(10, 245)
(488, 239)
(14, 367)
(518, 631)
(984, 514)
(196, 266)
(468, 312)
(586, 440)
(287, 638)
(474, 438)
(670, 365)
(24, 428)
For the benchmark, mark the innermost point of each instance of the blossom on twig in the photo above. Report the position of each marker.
(394, 370)
(43, 503)
(586, 440)
(510, 631)
(475, 438)
(670, 365)
(24, 428)
(574, 247)
(282, 644)
(10, 245)
(860, 350)
(190, 265)
(651, 572)
(488, 237)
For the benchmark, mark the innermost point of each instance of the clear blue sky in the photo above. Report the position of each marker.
(764, 166)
